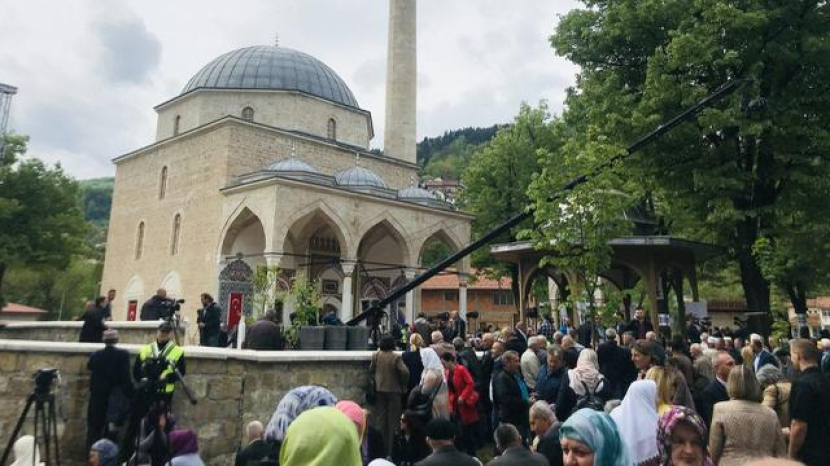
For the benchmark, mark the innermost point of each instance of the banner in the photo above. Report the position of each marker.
(132, 308)
(234, 310)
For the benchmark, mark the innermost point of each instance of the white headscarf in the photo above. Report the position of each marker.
(24, 449)
(636, 419)
(587, 370)
(430, 360)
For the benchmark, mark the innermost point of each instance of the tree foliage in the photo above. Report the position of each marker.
(39, 210)
(743, 169)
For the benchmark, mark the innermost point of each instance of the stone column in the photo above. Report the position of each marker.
(347, 304)
(462, 296)
(401, 81)
(410, 300)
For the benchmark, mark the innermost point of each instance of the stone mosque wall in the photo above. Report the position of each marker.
(232, 387)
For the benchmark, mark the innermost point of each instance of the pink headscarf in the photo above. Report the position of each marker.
(354, 412)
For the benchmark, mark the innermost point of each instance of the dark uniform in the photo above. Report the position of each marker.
(154, 308)
(110, 389)
(211, 316)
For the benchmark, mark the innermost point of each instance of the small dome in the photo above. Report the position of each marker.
(414, 192)
(276, 68)
(291, 165)
(358, 176)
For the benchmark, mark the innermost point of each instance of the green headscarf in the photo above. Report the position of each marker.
(321, 437)
(599, 432)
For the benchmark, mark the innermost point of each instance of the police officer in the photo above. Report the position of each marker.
(156, 379)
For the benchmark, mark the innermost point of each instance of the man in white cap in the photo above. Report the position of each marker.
(109, 382)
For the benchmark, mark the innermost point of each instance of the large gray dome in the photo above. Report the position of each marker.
(270, 67)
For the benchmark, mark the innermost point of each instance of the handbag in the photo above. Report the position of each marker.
(421, 403)
(371, 387)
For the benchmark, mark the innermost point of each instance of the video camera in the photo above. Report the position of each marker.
(168, 307)
(152, 384)
(43, 380)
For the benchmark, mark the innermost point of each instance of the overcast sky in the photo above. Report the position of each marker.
(89, 72)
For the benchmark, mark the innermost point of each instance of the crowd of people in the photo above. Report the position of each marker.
(592, 395)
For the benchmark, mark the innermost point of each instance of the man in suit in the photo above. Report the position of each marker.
(640, 326)
(615, 364)
(110, 388)
(715, 392)
(809, 406)
(762, 356)
(513, 452)
(441, 438)
(512, 395)
(257, 448)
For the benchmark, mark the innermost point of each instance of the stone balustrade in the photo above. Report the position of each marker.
(232, 387)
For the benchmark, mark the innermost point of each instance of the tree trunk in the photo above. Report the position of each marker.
(756, 287)
(679, 327)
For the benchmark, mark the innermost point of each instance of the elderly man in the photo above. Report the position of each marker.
(615, 364)
(530, 362)
(571, 353)
(544, 424)
(513, 451)
(257, 448)
(703, 373)
(716, 391)
(762, 356)
(439, 345)
(512, 394)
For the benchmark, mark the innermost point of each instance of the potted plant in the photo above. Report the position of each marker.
(304, 332)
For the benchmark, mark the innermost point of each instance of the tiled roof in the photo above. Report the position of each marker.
(450, 282)
(15, 308)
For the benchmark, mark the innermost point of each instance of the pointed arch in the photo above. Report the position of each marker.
(388, 224)
(443, 235)
(172, 282)
(302, 222)
(247, 226)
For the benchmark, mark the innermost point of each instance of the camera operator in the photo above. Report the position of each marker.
(209, 320)
(156, 379)
(156, 307)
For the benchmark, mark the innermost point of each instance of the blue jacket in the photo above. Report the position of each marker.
(547, 383)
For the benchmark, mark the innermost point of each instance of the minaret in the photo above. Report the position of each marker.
(401, 81)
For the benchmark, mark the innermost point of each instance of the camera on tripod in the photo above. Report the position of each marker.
(44, 378)
(168, 307)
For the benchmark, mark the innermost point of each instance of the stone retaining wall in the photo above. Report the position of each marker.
(138, 332)
(233, 387)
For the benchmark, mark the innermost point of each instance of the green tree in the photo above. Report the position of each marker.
(724, 177)
(39, 210)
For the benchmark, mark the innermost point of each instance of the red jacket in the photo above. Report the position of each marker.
(464, 389)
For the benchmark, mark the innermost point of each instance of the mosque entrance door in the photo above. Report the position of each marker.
(235, 284)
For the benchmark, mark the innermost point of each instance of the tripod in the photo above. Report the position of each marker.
(45, 419)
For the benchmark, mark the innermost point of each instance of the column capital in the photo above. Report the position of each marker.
(463, 279)
(273, 259)
(410, 274)
(348, 267)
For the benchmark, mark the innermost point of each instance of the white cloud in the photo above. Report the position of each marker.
(90, 72)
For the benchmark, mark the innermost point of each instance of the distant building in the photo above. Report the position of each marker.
(492, 299)
(818, 315)
(19, 312)
(445, 190)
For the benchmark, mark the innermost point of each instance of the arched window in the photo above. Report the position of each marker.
(248, 114)
(176, 123)
(139, 242)
(331, 129)
(163, 183)
(177, 229)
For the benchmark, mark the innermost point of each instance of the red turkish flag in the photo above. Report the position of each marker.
(132, 307)
(234, 310)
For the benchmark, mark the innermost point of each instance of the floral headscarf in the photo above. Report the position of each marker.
(669, 421)
(293, 404)
(599, 432)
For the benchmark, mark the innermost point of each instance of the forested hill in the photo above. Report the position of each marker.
(475, 136)
(97, 200)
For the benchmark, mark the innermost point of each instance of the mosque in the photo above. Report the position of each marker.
(263, 159)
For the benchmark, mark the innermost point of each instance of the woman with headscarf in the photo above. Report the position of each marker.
(433, 382)
(184, 449)
(321, 437)
(776, 392)
(590, 438)
(102, 453)
(25, 452)
(369, 438)
(294, 403)
(682, 438)
(582, 383)
(636, 419)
